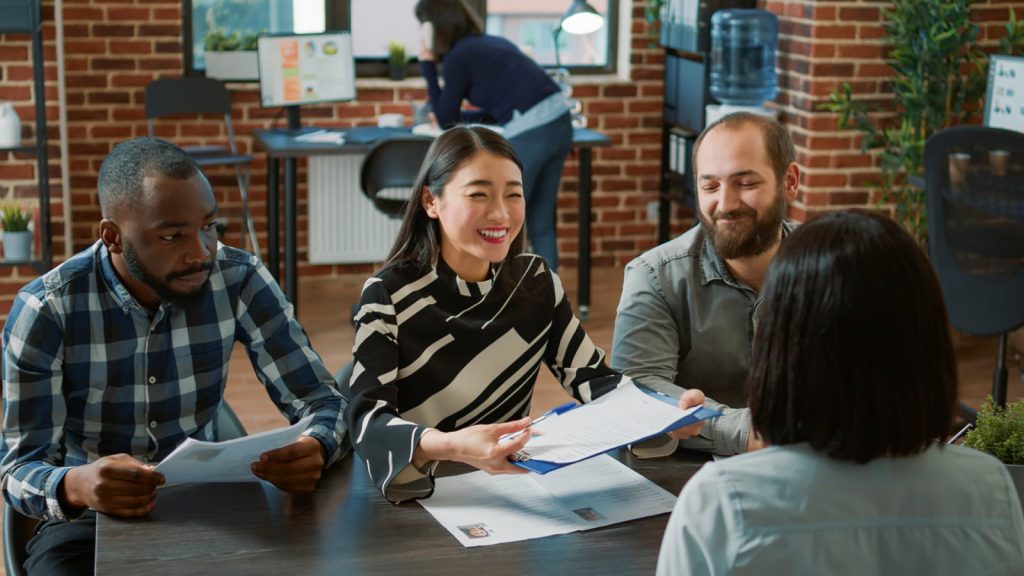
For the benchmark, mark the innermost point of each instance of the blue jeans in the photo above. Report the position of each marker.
(543, 151)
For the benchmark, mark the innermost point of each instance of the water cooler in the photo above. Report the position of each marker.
(742, 58)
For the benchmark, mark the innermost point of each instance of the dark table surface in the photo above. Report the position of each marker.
(347, 527)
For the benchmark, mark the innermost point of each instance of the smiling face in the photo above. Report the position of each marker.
(163, 248)
(742, 200)
(480, 210)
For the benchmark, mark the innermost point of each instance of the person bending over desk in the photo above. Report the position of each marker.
(509, 89)
(853, 386)
(119, 354)
(451, 332)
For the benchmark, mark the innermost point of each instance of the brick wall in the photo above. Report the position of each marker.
(114, 47)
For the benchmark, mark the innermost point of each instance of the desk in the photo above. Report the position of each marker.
(280, 145)
(347, 527)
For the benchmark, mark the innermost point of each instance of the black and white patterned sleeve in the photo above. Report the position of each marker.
(379, 436)
(573, 358)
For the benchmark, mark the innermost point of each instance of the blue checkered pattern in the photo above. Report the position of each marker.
(88, 372)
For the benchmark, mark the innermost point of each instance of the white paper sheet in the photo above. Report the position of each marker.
(481, 510)
(623, 416)
(228, 461)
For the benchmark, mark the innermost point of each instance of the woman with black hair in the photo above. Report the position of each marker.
(508, 89)
(451, 333)
(853, 388)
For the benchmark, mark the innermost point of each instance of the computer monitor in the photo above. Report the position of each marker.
(299, 69)
(1004, 101)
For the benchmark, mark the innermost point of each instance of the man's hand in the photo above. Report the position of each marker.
(295, 468)
(477, 446)
(689, 399)
(117, 485)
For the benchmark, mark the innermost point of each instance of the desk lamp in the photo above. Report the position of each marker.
(581, 18)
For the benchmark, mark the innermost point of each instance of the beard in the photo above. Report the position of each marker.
(162, 288)
(750, 238)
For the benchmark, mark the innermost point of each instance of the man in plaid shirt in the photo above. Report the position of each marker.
(118, 355)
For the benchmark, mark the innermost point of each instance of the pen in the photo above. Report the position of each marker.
(554, 411)
(960, 434)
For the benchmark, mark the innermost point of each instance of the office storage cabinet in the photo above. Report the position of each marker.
(686, 24)
(24, 17)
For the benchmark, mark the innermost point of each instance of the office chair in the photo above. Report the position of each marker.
(392, 163)
(974, 183)
(197, 95)
(19, 529)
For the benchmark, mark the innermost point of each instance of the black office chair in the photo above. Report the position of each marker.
(974, 183)
(392, 163)
(197, 95)
(19, 529)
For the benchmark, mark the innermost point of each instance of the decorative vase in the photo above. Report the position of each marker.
(10, 126)
(240, 65)
(396, 72)
(17, 246)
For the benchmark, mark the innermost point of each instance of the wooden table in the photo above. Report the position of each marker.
(347, 527)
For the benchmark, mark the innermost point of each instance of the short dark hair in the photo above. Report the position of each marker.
(419, 238)
(122, 172)
(852, 352)
(777, 141)
(453, 20)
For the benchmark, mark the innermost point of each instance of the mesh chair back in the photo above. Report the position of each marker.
(189, 95)
(974, 183)
(392, 163)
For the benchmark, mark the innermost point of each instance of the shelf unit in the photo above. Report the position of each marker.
(25, 17)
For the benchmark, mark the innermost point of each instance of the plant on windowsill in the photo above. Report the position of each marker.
(17, 238)
(939, 81)
(231, 56)
(396, 60)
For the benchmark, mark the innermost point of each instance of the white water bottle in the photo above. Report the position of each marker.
(10, 126)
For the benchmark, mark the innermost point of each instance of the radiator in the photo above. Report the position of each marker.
(344, 226)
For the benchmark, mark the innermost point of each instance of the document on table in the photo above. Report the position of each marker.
(480, 509)
(228, 461)
(624, 416)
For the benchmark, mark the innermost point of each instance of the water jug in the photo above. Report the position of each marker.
(743, 56)
(10, 126)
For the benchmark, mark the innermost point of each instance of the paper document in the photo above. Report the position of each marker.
(480, 509)
(228, 461)
(624, 416)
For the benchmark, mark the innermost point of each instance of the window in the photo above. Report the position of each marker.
(375, 23)
(245, 17)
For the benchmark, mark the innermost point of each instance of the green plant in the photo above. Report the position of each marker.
(939, 82)
(13, 218)
(652, 13)
(396, 53)
(1000, 431)
(217, 40)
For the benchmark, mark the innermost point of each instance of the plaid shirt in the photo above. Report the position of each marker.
(89, 372)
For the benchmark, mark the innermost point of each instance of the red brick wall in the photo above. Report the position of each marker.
(114, 47)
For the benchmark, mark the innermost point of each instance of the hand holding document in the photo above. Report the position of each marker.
(229, 461)
(480, 509)
(624, 416)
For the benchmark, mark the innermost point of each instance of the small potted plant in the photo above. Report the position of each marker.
(17, 239)
(1000, 432)
(396, 60)
(231, 56)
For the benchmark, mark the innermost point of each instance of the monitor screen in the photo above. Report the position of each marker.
(1004, 101)
(306, 69)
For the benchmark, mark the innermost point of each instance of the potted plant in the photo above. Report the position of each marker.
(1000, 432)
(231, 56)
(939, 81)
(396, 60)
(17, 239)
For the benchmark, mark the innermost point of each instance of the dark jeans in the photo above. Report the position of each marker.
(61, 547)
(543, 151)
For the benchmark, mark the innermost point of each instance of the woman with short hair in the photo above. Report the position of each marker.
(853, 387)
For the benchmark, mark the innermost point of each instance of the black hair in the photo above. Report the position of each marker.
(852, 352)
(122, 172)
(453, 20)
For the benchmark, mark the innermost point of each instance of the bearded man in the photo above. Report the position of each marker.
(687, 313)
(118, 355)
